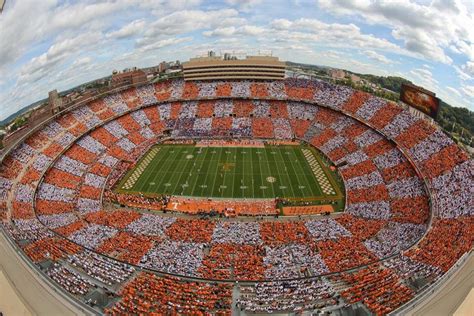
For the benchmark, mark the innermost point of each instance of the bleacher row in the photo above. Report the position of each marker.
(387, 211)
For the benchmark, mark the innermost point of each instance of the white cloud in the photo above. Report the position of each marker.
(78, 15)
(462, 74)
(220, 31)
(422, 43)
(244, 5)
(468, 68)
(454, 90)
(182, 22)
(468, 91)
(163, 7)
(454, 49)
(330, 34)
(41, 66)
(425, 29)
(424, 77)
(129, 30)
(250, 30)
(455, 100)
(62, 19)
(15, 34)
(189, 20)
(46, 20)
(332, 54)
(281, 24)
(377, 57)
(163, 43)
(81, 62)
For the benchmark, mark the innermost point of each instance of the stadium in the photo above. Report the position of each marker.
(238, 196)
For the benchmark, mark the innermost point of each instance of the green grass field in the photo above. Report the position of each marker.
(232, 172)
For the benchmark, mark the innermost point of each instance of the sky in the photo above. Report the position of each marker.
(59, 44)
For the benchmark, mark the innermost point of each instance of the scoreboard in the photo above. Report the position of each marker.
(421, 99)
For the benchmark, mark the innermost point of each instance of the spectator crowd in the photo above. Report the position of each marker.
(396, 169)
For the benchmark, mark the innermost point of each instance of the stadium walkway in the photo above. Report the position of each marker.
(29, 289)
(10, 302)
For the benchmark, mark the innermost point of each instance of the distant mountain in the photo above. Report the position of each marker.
(306, 66)
(390, 83)
(10, 118)
(460, 116)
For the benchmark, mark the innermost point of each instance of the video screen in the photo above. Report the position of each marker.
(420, 100)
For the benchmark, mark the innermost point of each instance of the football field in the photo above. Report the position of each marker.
(231, 172)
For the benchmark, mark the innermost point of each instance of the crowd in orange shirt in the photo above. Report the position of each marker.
(378, 288)
(361, 228)
(344, 253)
(445, 243)
(118, 219)
(278, 233)
(127, 247)
(153, 295)
(50, 248)
(233, 261)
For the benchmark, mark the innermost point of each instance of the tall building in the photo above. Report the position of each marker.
(229, 67)
(54, 101)
(162, 66)
(128, 77)
(337, 73)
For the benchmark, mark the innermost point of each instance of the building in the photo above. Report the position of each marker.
(54, 101)
(40, 114)
(128, 77)
(337, 74)
(77, 97)
(214, 67)
(355, 78)
(162, 66)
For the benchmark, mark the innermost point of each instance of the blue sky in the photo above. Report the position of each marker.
(52, 44)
